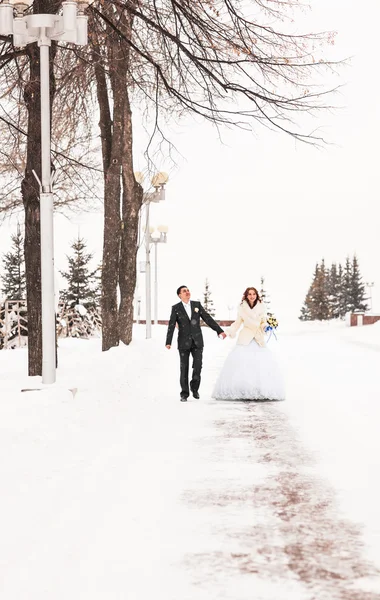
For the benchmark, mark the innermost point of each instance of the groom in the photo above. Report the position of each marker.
(186, 315)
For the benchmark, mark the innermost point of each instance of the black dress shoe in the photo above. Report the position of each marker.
(194, 392)
(183, 398)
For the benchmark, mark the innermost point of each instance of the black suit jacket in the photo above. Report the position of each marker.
(189, 330)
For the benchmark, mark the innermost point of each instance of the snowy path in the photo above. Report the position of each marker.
(124, 492)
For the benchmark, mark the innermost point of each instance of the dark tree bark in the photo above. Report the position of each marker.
(111, 127)
(30, 194)
(111, 64)
(132, 201)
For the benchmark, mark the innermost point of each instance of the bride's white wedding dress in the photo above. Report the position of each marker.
(251, 371)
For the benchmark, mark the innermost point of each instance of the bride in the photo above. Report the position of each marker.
(250, 372)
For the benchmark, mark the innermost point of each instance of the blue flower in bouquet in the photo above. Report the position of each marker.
(272, 324)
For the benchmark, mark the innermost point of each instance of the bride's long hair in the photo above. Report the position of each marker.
(245, 296)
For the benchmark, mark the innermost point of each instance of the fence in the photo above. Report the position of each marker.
(13, 324)
(71, 322)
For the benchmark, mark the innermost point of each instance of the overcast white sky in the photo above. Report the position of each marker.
(262, 204)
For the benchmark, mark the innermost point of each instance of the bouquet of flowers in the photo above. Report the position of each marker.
(272, 324)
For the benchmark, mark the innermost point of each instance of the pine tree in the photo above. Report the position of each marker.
(316, 305)
(265, 297)
(358, 295)
(81, 281)
(319, 294)
(334, 292)
(307, 309)
(333, 289)
(98, 284)
(14, 283)
(208, 303)
(79, 307)
(341, 293)
(347, 300)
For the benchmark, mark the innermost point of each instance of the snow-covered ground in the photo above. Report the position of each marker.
(121, 491)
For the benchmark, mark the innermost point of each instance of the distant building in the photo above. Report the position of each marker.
(358, 319)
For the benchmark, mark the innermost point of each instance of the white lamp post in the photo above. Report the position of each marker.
(158, 182)
(69, 26)
(157, 237)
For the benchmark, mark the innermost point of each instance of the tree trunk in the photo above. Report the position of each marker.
(30, 194)
(120, 236)
(132, 201)
(131, 204)
(111, 244)
(110, 332)
(112, 146)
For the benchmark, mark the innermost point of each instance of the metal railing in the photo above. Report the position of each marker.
(13, 324)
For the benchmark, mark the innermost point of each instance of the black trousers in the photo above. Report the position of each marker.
(195, 382)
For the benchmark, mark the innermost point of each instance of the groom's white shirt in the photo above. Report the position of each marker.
(187, 308)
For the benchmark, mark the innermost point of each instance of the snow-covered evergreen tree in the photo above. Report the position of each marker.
(98, 284)
(358, 295)
(306, 314)
(316, 305)
(81, 280)
(307, 308)
(347, 300)
(341, 293)
(78, 314)
(265, 296)
(333, 285)
(13, 277)
(208, 303)
(319, 293)
(334, 292)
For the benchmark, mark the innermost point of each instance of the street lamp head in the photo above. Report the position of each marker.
(139, 177)
(82, 22)
(159, 179)
(83, 5)
(163, 231)
(6, 18)
(21, 6)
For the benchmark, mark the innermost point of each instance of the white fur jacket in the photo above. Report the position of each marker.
(254, 321)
